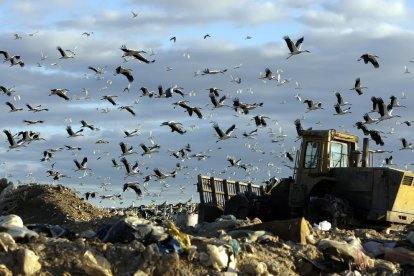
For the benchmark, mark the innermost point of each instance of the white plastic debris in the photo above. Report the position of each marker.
(322, 226)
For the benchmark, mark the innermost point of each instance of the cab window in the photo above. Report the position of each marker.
(311, 155)
(339, 155)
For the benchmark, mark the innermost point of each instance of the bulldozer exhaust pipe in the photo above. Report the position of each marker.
(365, 145)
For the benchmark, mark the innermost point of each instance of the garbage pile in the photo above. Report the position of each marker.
(151, 244)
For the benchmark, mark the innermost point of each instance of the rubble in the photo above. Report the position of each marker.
(78, 243)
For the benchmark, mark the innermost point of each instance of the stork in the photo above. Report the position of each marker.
(340, 111)
(13, 143)
(224, 135)
(406, 145)
(125, 149)
(133, 186)
(260, 120)
(162, 175)
(61, 92)
(128, 108)
(73, 133)
(175, 126)
(217, 103)
(340, 100)
(13, 108)
(370, 58)
(294, 48)
(109, 98)
(368, 119)
(267, 75)
(82, 166)
(136, 54)
(384, 111)
(357, 87)
(312, 105)
(208, 71)
(63, 54)
(127, 73)
(149, 150)
(37, 108)
(134, 170)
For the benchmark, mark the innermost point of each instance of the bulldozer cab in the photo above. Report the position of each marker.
(321, 150)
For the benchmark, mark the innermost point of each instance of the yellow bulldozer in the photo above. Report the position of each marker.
(331, 180)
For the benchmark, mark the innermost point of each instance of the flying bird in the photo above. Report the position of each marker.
(61, 92)
(224, 135)
(13, 143)
(370, 58)
(406, 145)
(127, 73)
(208, 71)
(357, 87)
(13, 108)
(376, 136)
(14, 60)
(340, 111)
(312, 105)
(133, 186)
(63, 54)
(206, 35)
(340, 99)
(72, 133)
(173, 39)
(294, 48)
(109, 98)
(128, 108)
(260, 120)
(130, 171)
(136, 54)
(81, 166)
(175, 126)
(125, 149)
(149, 150)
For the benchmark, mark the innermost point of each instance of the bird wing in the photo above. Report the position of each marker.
(230, 129)
(289, 43)
(299, 42)
(218, 130)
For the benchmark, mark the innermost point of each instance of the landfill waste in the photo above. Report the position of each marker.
(322, 226)
(123, 242)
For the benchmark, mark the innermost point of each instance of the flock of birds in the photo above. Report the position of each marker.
(137, 174)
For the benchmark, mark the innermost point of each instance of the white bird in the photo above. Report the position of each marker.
(357, 87)
(125, 149)
(13, 108)
(294, 48)
(224, 135)
(340, 100)
(81, 166)
(406, 145)
(368, 119)
(384, 111)
(130, 171)
(312, 105)
(161, 175)
(340, 111)
(63, 54)
(13, 143)
(73, 133)
(61, 92)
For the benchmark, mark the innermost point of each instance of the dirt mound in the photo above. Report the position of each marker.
(55, 205)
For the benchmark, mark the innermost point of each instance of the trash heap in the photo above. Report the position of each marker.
(133, 245)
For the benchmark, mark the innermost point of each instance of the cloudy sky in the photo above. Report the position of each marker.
(244, 36)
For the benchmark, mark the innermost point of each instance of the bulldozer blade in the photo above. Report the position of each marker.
(295, 230)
